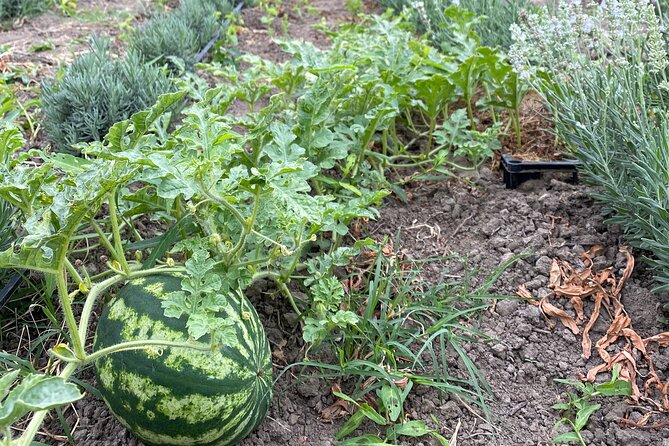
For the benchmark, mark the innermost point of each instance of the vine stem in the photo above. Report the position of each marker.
(70, 320)
(104, 240)
(73, 272)
(142, 345)
(286, 292)
(97, 290)
(118, 242)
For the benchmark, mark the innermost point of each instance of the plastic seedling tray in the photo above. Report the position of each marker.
(9, 288)
(517, 172)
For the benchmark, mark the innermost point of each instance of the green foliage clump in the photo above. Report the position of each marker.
(178, 36)
(96, 91)
(14, 9)
(495, 18)
(603, 71)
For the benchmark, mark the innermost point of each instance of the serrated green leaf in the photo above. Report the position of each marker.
(6, 382)
(36, 392)
(175, 305)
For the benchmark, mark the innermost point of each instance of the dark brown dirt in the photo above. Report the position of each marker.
(473, 217)
(62, 38)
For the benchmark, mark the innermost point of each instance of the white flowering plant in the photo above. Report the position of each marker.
(579, 34)
(494, 17)
(602, 68)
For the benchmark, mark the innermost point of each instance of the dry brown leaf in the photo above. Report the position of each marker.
(645, 419)
(402, 383)
(604, 275)
(337, 410)
(555, 275)
(635, 339)
(593, 372)
(525, 294)
(583, 275)
(574, 290)
(577, 303)
(619, 322)
(594, 251)
(551, 310)
(586, 343)
(662, 339)
(628, 270)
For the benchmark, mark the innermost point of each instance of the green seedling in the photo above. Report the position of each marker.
(578, 409)
(388, 414)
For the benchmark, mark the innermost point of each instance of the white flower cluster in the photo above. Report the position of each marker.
(419, 12)
(610, 32)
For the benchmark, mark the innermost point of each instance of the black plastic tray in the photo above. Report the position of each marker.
(517, 171)
(12, 284)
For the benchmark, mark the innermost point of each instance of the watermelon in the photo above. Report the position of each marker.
(182, 396)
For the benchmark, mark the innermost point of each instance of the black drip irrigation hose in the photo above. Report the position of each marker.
(217, 37)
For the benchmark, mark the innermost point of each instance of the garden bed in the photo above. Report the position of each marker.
(472, 217)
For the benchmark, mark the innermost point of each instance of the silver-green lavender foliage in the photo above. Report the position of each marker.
(580, 34)
(178, 36)
(497, 16)
(14, 9)
(603, 71)
(96, 91)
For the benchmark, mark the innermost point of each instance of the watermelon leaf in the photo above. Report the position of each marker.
(35, 392)
(200, 300)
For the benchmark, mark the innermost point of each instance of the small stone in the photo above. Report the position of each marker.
(507, 307)
(290, 318)
(531, 313)
(309, 389)
(544, 264)
(616, 412)
(451, 410)
(633, 437)
(499, 350)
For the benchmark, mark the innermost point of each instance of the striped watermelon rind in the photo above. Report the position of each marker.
(180, 396)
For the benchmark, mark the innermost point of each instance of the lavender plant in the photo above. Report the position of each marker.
(96, 91)
(177, 37)
(14, 9)
(603, 71)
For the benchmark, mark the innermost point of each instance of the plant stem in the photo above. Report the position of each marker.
(70, 320)
(118, 242)
(286, 292)
(104, 240)
(99, 288)
(73, 272)
(222, 201)
(142, 345)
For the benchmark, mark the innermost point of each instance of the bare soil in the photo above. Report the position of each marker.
(474, 217)
(43, 42)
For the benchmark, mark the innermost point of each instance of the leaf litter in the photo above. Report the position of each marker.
(621, 345)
